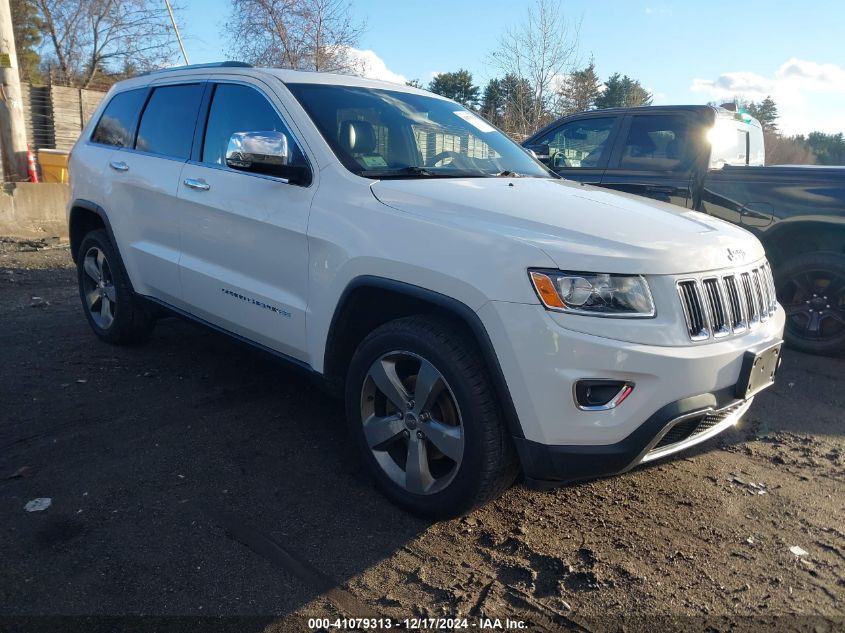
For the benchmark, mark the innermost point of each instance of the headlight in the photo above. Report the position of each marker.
(596, 294)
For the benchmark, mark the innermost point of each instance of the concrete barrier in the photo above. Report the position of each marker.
(33, 210)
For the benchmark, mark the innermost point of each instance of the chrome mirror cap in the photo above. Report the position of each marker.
(261, 152)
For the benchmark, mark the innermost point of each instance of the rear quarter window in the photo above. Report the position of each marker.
(117, 124)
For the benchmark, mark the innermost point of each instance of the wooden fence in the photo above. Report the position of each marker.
(55, 115)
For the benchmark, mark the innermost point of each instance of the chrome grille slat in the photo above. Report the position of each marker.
(759, 292)
(738, 319)
(716, 303)
(693, 310)
(716, 306)
(764, 289)
(750, 300)
(770, 279)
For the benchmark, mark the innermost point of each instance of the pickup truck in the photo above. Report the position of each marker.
(711, 159)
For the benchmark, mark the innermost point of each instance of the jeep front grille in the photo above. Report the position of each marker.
(716, 306)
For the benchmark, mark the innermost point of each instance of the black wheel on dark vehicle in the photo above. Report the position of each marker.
(811, 289)
(115, 314)
(421, 408)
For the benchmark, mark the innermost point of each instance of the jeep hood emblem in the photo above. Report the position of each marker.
(736, 254)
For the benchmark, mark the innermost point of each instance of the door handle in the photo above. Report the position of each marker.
(197, 183)
(118, 165)
(757, 215)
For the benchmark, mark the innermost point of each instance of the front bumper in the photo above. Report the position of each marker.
(674, 428)
(541, 361)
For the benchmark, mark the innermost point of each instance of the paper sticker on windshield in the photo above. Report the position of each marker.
(374, 161)
(478, 123)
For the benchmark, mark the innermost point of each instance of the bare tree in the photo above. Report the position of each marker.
(85, 38)
(302, 34)
(783, 150)
(541, 50)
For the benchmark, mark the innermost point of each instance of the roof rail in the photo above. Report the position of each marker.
(227, 64)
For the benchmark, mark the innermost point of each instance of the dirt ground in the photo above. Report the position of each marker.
(195, 477)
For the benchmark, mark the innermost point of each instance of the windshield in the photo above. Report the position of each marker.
(380, 133)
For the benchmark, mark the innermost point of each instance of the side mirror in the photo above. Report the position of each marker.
(266, 152)
(540, 152)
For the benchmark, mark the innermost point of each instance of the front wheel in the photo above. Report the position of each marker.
(421, 409)
(811, 288)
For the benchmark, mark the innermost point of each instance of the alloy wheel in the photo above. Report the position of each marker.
(412, 422)
(814, 302)
(98, 288)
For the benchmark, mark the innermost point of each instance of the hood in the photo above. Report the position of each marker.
(579, 227)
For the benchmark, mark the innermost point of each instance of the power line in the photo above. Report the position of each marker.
(176, 30)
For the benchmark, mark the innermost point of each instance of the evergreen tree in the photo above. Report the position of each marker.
(623, 92)
(509, 103)
(493, 102)
(579, 91)
(457, 85)
(766, 112)
(828, 148)
(28, 26)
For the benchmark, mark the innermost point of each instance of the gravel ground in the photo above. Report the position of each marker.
(192, 476)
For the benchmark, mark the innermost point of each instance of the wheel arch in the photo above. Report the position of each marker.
(369, 301)
(789, 239)
(84, 217)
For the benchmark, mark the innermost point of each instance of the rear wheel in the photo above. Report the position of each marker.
(811, 288)
(115, 314)
(421, 408)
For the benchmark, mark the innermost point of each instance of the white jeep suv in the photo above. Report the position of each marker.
(481, 315)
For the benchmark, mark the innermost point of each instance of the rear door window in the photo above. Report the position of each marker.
(656, 142)
(117, 125)
(167, 124)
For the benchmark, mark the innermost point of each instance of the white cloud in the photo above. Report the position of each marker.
(373, 67)
(803, 90)
(559, 81)
(746, 84)
(813, 76)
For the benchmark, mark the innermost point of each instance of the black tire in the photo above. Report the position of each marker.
(811, 288)
(132, 321)
(488, 463)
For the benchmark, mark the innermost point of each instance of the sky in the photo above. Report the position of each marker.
(682, 51)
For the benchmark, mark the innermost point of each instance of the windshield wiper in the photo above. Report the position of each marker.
(399, 172)
(509, 174)
(419, 172)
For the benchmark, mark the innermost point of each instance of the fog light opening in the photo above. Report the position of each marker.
(601, 394)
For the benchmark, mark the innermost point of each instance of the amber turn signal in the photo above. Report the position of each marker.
(546, 290)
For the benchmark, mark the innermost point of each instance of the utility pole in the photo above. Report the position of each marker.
(12, 129)
(176, 30)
